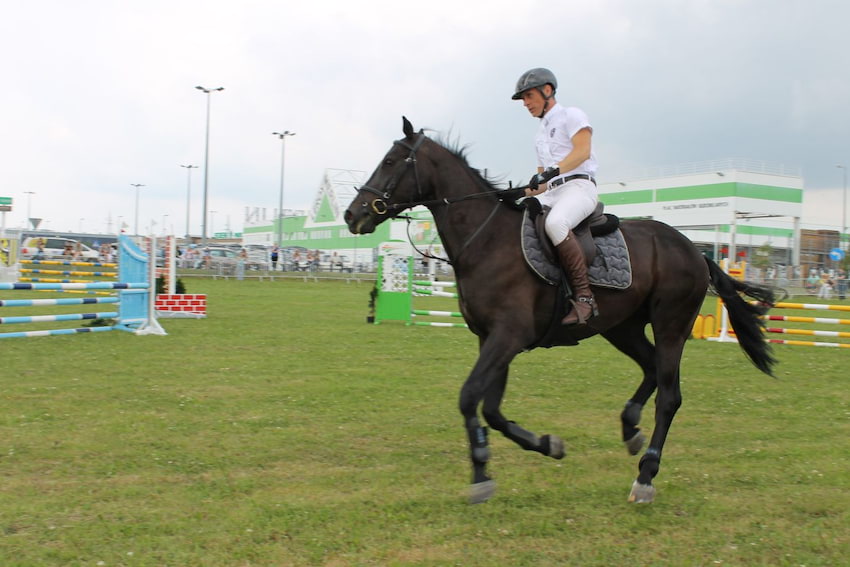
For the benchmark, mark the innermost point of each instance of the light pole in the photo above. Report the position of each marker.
(136, 228)
(29, 195)
(208, 92)
(282, 136)
(189, 169)
(844, 202)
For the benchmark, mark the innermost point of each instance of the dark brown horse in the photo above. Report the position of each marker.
(509, 308)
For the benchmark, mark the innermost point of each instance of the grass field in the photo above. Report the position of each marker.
(283, 430)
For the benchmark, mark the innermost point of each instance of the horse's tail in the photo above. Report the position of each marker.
(744, 316)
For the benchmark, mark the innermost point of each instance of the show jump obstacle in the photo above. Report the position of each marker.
(132, 309)
(395, 289)
(171, 304)
(704, 327)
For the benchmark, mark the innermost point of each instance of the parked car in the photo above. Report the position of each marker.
(225, 260)
(57, 248)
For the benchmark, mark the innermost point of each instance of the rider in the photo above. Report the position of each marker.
(564, 180)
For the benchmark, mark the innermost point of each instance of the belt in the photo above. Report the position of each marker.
(561, 180)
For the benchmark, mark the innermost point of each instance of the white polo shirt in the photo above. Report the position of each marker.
(553, 140)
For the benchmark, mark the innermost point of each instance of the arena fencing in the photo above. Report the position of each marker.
(130, 300)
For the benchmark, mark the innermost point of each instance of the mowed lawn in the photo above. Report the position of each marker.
(284, 430)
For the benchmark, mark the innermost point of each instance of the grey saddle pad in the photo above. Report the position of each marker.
(611, 267)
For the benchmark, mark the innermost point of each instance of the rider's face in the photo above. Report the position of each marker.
(534, 101)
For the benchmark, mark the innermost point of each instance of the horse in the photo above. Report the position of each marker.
(510, 308)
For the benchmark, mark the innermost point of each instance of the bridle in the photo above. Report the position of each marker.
(380, 206)
(379, 203)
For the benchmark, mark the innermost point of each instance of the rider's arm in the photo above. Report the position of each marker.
(577, 156)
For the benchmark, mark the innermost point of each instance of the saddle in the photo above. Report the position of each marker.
(601, 241)
(604, 250)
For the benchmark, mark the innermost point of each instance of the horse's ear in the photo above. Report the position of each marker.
(406, 127)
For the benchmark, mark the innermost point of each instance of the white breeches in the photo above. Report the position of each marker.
(571, 203)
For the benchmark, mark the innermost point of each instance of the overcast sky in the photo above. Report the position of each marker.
(98, 95)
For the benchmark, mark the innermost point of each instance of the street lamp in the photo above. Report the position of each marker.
(844, 202)
(136, 228)
(188, 194)
(208, 92)
(282, 136)
(29, 195)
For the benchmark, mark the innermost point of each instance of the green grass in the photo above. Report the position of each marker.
(283, 430)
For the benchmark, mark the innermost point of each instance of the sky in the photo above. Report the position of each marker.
(100, 95)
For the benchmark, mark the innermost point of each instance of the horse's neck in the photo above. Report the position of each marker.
(473, 226)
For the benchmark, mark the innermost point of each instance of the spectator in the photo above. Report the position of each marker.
(240, 264)
(841, 278)
(274, 257)
(826, 285)
(207, 258)
(812, 283)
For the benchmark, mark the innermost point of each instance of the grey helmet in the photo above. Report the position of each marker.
(535, 78)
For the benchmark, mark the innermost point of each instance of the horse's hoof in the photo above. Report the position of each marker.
(556, 447)
(482, 491)
(635, 444)
(642, 493)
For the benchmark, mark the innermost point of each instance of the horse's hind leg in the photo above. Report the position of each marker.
(631, 340)
(548, 445)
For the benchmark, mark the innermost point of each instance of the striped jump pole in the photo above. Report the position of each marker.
(435, 288)
(725, 333)
(426, 288)
(133, 304)
(68, 263)
(68, 273)
(35, 273)
(433, 313)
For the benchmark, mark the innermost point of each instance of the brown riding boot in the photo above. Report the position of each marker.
(572, 261)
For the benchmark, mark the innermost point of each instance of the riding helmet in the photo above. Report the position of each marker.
(535, 78)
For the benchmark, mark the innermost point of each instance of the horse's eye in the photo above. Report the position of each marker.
(388, 162)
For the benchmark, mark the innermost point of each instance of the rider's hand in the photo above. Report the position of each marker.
(544, 176)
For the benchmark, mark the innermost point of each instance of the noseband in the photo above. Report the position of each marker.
(379, 204)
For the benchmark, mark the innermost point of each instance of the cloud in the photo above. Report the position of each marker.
(101, 94)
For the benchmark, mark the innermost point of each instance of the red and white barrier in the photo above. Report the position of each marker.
(185, 305)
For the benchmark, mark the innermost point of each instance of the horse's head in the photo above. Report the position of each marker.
(396, 184)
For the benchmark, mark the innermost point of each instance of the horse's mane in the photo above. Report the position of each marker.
(459, 150)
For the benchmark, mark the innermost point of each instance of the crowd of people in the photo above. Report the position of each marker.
(825, 285)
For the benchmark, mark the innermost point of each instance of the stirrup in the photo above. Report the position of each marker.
(594, 312)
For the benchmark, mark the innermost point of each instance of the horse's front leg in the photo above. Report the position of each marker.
(548, 445)
(490, 368)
